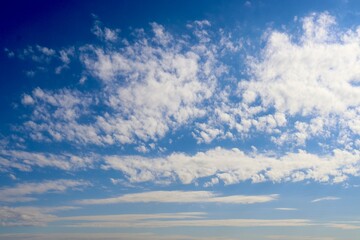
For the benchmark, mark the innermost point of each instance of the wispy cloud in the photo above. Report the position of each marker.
(286, 209)
(290, 237)
(344, 225)
(106, 236)
(329, 198)
(26, 161)
(24, 192)
(182, 197)
(200, 223)
(29, 216)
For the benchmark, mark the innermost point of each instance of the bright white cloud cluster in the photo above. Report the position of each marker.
(300, 86)
(314, 76)
(234, 166)
(150, 86)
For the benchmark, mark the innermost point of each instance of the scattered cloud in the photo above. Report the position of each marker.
(182, 197)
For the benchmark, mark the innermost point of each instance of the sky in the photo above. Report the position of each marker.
(180, 120)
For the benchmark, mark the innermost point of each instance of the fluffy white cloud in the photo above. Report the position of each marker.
(23, 192)
(182, 197)
(233, 166)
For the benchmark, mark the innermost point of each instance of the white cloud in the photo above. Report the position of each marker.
(182, 197)
(234, 166)
(24, 192)
(27, 100)
(65, 56)
(325, 199)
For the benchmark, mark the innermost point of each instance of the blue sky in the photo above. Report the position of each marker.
(180, 120)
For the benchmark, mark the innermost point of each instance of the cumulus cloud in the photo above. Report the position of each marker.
(233, 166)
(182, 197)
(24, 192)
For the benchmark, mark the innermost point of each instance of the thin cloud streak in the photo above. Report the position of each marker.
(181, 197)
(329, 198)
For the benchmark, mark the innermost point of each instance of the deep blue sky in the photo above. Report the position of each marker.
(180, 120)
